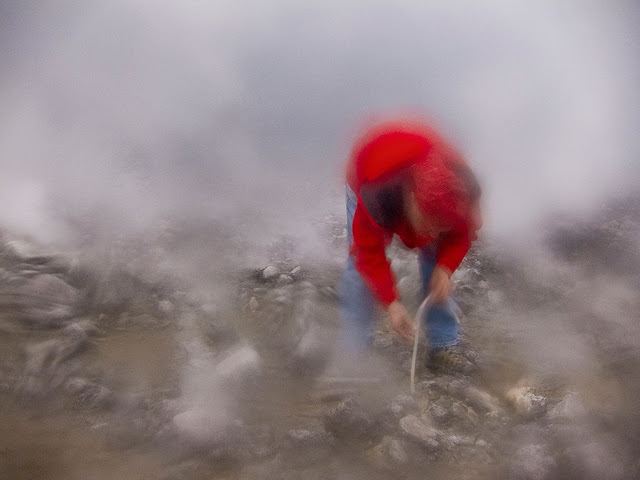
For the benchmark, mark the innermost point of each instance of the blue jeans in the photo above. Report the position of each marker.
(358, 305)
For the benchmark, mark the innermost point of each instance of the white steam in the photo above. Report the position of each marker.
(134, 111)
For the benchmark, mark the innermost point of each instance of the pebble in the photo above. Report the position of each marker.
(403, 405)
(270, 272)
(389, 454)
(284, 279)
(49, 288)
(459, 440)
(439, 414)
(525, 402)
(482, 401)
(416, 430)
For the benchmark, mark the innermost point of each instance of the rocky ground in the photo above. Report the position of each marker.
(113, 370)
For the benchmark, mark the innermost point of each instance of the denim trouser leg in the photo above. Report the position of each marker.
(357, 303)
(357, 308)
(442, 327)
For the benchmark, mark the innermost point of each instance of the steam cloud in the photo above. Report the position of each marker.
(138, 110)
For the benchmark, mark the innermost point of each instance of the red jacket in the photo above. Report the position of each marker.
(386, 153)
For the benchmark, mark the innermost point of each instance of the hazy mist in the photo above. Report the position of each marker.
(129, 112)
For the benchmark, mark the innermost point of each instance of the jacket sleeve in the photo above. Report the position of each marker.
(368, 250)
(453, 247)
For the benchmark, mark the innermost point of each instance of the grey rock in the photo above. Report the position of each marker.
(526, 403)
(348, 420)
(457, 440)
(430, 387)
(481, 401)
(47, 316)
(46, 356)
(296, 272)
(464, 414)
(416, 430)
(270, 273)
(440, 414)
(390, 454)
(402, 405)
(47, 300)
(50, 288)
(284, 280)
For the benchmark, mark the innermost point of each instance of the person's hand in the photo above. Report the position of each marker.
(400, 321)
(440, 284)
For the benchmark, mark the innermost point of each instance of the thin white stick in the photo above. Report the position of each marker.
(418, 318)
